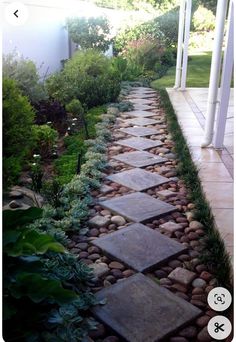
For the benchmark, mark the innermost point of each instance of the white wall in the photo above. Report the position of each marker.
(42, 38)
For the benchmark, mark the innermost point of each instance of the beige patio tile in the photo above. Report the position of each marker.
(214, 172)
(219, 194)
(224, 219)
(209, 155)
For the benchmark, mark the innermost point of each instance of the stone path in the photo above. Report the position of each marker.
(138, 308)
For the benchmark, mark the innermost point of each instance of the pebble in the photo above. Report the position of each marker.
(94, 232)
(184, 257)
(93, 249)
(179, 288)
(160, 274)
(117, 273)
(111, 279)
(182, 276)
(82, 245)
(99, 221)
(203, 336)
(105, 212)
(188, 332)
(165, 281)
(100, 269)
(206, 276)
(196, 225)
(175, 263)
(198, 303)
(128, 273)
(118, 220)
(116, 265)
(203, 321)
(99, 332)
(83, 254)
(94, 256)
(201, 268)
(197, 291)
(198, 282)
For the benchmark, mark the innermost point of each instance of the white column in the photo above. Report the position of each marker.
(180, 44)
(225, 81)
(186, 41)
(215, 72)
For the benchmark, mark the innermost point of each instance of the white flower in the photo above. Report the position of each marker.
(36, 155)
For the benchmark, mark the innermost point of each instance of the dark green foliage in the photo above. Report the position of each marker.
(77, 109)
(18, 117)
(12, 219)
(39, 278)
(51, 111)
(89, 77)
(214, 254)
(52, 191)
(90, 33)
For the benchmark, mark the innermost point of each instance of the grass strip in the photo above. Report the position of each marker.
(214, 254)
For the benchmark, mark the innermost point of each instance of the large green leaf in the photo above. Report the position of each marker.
(30, 242)
(15, 218)
(39, 288)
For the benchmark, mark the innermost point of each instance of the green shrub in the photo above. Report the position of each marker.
(77, 110)
(45, 137)
(25, 73)
(89, 77)
(90, 33)
(203, 19)
(18, 117)
(66, 164)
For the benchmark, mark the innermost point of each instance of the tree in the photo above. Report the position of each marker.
(90, 32)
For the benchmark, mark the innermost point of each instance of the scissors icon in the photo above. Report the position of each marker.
(218, 327)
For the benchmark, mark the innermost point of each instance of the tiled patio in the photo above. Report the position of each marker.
(215, 166)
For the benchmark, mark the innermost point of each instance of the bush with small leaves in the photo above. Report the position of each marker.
(26, 75)
(45, 138)
(18, 138)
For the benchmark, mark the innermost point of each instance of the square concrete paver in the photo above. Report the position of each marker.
(138, 207)
(140, 113)
(138, 179)
(137, 101)
(141, 121)
(140, 131)
(139, 143)
(139, 158)
(139, 247)
(140, 310)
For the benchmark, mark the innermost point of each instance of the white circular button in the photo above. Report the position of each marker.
(16, 13)
(219, 299)
(219, 327)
